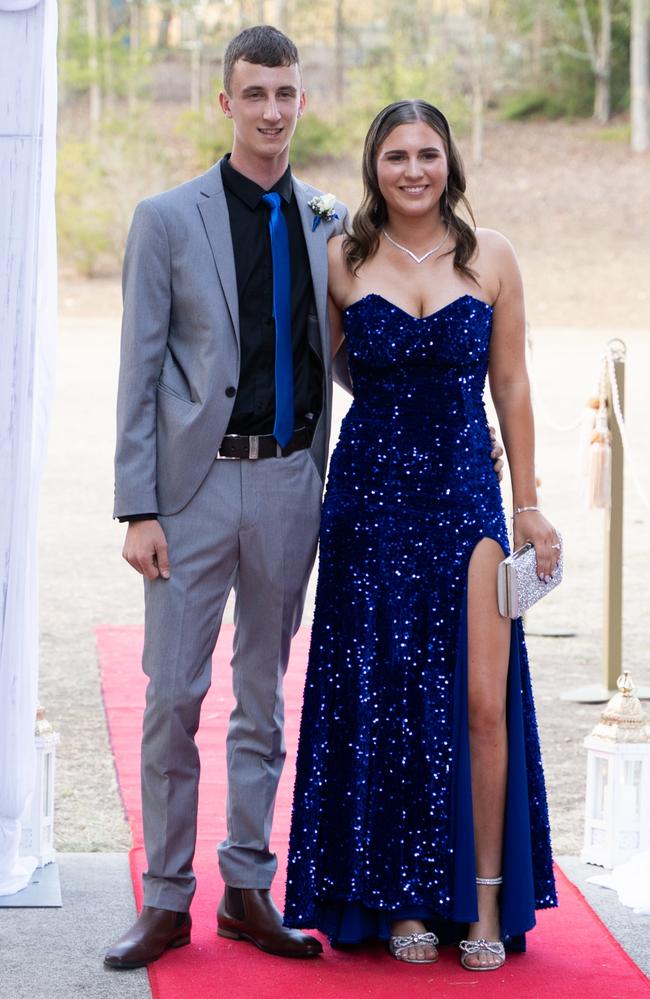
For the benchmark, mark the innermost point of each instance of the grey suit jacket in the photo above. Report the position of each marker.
(180, 342)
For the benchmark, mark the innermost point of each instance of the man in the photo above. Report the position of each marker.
(223, 428)
(197, 383)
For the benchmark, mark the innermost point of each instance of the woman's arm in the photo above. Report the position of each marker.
(338, 277)
(338, 280)
(335, 316)
(510, 390)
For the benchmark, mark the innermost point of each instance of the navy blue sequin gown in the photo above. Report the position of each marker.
(382, 819)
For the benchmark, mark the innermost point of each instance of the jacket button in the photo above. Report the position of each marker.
(231, 391)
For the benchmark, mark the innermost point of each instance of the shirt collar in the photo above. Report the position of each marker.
(247, 190)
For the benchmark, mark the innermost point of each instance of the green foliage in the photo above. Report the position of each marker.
(83, 216)
(534, 65)
(571, 86)
(385, 77)
(613, 133)
(621, 61)
(113, 60)
(98, 185)
(562, 84)
(315, 139)
(529, 104)
(208, 132)
(545, 104)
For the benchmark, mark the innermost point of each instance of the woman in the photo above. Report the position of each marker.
(420, 808)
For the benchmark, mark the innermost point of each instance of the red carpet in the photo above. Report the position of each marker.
(570, 955)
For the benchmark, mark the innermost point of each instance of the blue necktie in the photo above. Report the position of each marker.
(283, 427)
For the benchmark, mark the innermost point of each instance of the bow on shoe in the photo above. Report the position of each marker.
(397, 946)
(470, 948)
(476, 946)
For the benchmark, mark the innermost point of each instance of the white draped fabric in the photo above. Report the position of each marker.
(27, 335)
(632, 882)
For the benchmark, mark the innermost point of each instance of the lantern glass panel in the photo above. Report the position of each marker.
(632, 786)
(47, 785)
(601, 780)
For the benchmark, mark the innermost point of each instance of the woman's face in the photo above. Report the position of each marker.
(412, 169)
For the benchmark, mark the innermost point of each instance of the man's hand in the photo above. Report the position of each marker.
(495, 454)
(145, 548)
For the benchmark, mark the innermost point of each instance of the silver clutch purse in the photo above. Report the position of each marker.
(519, 586)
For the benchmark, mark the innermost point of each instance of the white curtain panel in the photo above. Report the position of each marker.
(632, 882)
(27, 336)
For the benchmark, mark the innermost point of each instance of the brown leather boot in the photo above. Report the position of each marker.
(251, 914)
(152, 933)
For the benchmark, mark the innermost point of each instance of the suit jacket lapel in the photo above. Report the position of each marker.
(214, 212)
(317, 252)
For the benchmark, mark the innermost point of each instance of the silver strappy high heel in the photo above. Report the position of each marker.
(470, 948)
(398, 944)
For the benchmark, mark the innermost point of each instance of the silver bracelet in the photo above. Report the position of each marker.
(524, 509)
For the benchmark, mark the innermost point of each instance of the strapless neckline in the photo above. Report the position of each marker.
(431, 315)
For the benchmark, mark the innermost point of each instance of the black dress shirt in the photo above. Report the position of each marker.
(254, 409)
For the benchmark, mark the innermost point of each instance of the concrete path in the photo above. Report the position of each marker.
(58, 953)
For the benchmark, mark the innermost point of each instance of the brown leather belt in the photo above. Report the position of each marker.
(262, 446)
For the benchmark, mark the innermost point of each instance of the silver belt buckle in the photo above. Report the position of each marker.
(253, 447)
(226, 457)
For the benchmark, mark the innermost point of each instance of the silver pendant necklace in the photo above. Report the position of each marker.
(405, 249)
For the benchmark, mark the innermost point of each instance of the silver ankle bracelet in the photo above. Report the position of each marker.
(489, 881)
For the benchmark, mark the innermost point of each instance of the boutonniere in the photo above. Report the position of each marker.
(323, 208)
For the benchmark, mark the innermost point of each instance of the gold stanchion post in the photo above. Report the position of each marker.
(612, 653)
(613, 562)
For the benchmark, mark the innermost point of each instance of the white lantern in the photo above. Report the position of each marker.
(37, 838)
(617, 816)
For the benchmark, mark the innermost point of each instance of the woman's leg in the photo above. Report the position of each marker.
(488, 655)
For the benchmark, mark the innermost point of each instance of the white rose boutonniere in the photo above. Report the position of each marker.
(323, 208)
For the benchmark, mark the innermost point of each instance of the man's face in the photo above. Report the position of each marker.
(264, 104)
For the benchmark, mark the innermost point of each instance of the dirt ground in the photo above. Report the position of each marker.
(577, 208)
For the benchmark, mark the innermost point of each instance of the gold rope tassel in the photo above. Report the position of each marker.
(586, 433)
(599, 469)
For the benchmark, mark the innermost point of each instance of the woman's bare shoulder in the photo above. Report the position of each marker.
(335, 253)
(491, 242)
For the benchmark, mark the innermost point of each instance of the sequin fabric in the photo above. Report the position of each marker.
(382, 808)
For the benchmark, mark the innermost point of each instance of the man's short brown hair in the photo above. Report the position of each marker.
(262, 45)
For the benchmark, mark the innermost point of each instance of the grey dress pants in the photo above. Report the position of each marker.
(252, 525)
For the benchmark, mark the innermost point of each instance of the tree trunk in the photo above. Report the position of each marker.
(283, 16)
(166, 15)
(195, 74)
(134, 45)
(478, 105)
(339, 62)
(64, 29)
(602, 98)
(639, 78)
(537, 46)
(480, 15)
(599, 52)
(95, 94)
(107, 76)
